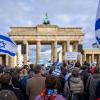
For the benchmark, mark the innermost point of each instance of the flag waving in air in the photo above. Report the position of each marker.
(97, 26)
(7, 45)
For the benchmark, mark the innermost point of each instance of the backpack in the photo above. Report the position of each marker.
(77, 93)
(7, 95)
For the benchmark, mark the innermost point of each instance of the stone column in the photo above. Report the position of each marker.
(85, 57)
(76, 47)
(92, 58)
(55, 51)
(68, 46)
(25, 56)
(7, 60)
(81, 58)
(52, 52)
(63, 50)
(12, 61)
(38, 49)
(99, 58)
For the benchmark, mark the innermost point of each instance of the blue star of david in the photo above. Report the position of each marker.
(2, 44)
(98, 39)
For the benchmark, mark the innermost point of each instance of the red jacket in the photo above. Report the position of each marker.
(92, 70)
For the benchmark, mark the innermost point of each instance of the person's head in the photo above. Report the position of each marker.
(7, 95)
(6, 79)
(51, 82)
(26, 67)
(23, 72)
(31, 74)
(15, 78)
(32, 66)
(64, 63)
(37, 69)
(84, 67)
(63, 70)
(75, 72)
(97, 70)
(50, 71)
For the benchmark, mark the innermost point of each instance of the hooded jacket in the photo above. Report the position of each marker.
(73, 86)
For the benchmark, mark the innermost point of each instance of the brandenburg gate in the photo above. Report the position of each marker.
(45, 34)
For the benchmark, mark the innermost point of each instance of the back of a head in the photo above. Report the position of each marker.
(32, 66)
(84, 67)
(51, 82)
(97, 70)
(75, 72)
(31, 74)
(25, 66)
(7, 95)
(6, 78)
(15, 75)
(37, 69)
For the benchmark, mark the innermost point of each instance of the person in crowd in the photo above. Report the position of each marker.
(77, 64)
(51, 90)
(25, 70)
(7, 95)
(92, 69)
(84, 74)
(65, 64)
(35, 84)
(73, 89)
(92, 83)
(62, 78)
(86, 63)
(6, 81)
(31, 74)
(31, 67)
(98, 91)
(23, 81)
(15, 80)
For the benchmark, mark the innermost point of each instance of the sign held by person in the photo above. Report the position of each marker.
(71, 55)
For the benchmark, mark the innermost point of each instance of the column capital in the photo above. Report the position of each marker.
(38, 42)
(25, 42)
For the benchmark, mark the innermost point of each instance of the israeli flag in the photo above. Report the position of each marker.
(7, 45)
(97, 26)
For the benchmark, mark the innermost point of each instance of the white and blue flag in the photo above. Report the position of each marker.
(97, 26)
(7, 45)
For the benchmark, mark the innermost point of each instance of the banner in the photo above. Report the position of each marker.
(71, 55)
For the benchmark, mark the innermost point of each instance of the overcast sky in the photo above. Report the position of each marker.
(65, 13)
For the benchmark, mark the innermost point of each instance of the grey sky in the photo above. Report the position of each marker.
(65, 13)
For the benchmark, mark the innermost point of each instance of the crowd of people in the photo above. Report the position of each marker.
(37, 82)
